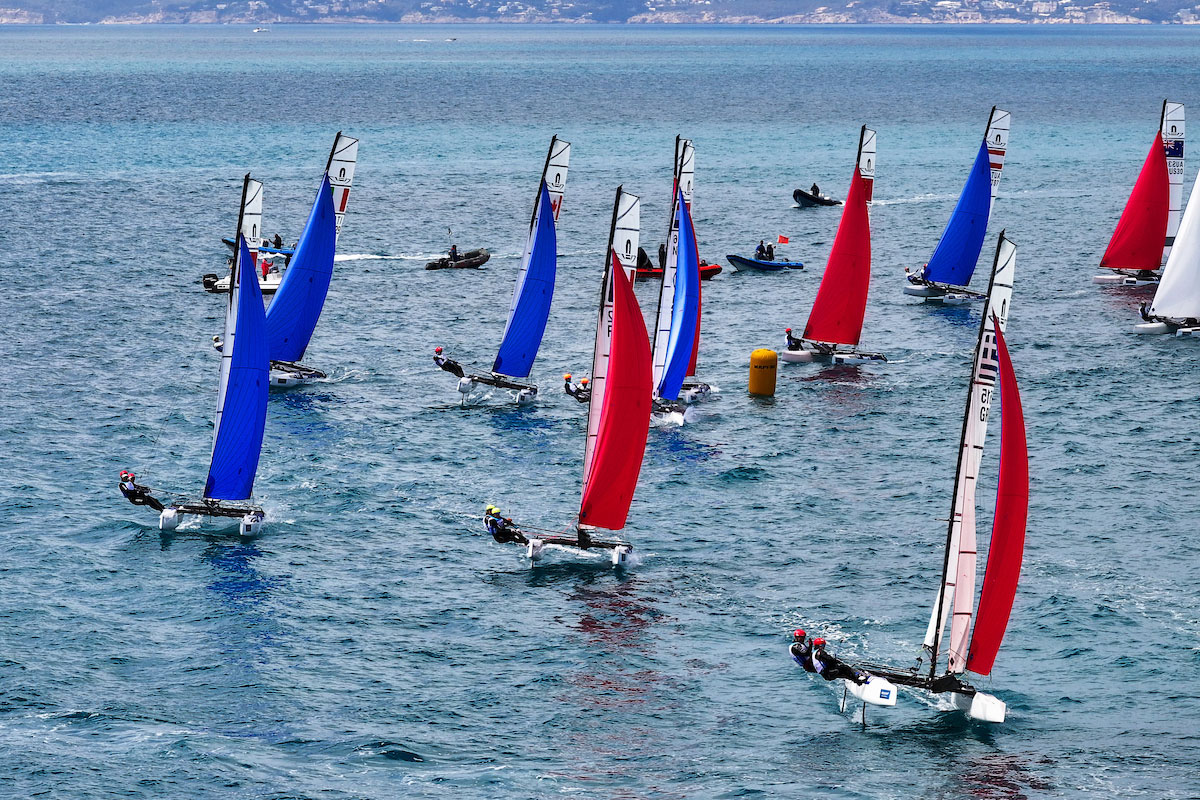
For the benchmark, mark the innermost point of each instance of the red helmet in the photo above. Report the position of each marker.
(787, 330)
(798, 634)
(818, 642)
(437, 350)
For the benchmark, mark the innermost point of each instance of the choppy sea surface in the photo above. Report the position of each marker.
(373, 643)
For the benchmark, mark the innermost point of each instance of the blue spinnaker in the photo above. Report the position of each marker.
(685, 309)
(531, 299)
(294, 312)
(953, 260)
(243, 408)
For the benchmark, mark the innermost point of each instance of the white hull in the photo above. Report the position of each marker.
(981, 706)
(940, 295)
(286, 375)
(876, 691)
(467, 386)
(535, 550)
(811, 357)
(268, 285)
(250, 524)
(1116, 279)
(1152, 328)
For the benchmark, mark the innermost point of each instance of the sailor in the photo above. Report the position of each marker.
(770, 252)
(801, 650)
(137, 494)
(662, 255)
(830, 668)
(1144, 311)
(450, 365)
(217, 343)
(918, 276)
(760, 252)
(580, 391)
(278, 242)
(502, 529)
(815, 190)
(792, 342)
(453, 253)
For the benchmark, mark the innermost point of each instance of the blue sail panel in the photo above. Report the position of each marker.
(297, 305)
(243, 417)
(685, 310)
(953, 260)
(531, 299)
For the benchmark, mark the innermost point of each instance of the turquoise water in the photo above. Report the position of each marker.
(373, 643)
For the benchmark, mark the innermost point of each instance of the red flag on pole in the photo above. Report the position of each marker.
(782, 239)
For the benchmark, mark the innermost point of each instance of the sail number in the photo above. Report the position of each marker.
(1175, 166)
(985, 401)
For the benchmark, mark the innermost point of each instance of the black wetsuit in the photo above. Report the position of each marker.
(760, 253)
(139, 495)
(503, 531)
(453, 253)
(792, 342)
(581, 393)
(278, 242)
(449, 365)
(831, 669)
(815, 191)
(802, 654)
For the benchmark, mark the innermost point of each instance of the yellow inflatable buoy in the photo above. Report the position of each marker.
(763, 364)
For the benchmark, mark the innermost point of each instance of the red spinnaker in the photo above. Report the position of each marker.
(1137, 243)
(625, 415)
(837, 313)
(1008, 525)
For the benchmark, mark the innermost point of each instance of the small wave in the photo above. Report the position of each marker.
(921, 198)
(377, 257)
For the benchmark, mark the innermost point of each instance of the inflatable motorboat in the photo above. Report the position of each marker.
(214, 284)
(472, 259)
(742, 263)
(646, 269)
(810, 200)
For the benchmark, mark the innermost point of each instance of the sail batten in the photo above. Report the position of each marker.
(841, 303)
(1007, 546)
(296, 307)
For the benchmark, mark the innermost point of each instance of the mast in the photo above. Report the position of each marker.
(960, 528)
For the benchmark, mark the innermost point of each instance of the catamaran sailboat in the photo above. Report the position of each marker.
(943, 280)
(837, 314)
(241, 406)
(967, 649)
(619, 406)
(534, 290)
(340, 169)
(1149, 224)
(1176, 306)
(677, 330)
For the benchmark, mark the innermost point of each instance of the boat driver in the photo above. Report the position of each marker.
(453, 253)
(830, 668)
(502, 529)
(760, 252)
(801, 650)
(815, 190)
(580, 391)
(137, 494)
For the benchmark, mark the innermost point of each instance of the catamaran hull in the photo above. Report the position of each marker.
(249, 519)
(1153, 328)
(940, 295)
(619, 557)
(286, 374)
(876, 691)
(1118, 279)
(981, 706)
(811, 357)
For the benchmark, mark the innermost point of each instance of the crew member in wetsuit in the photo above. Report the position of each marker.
(450, 365)
(792, 342)
(815, 190)
(580, 391)
(501, 529)
(830, 668)
(916, 277)
(801, 650)
(760, 252)
(453, 253)
(662, 255)
(1144, 311)
(137, 494)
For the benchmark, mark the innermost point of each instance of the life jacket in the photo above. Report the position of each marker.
(804, 658)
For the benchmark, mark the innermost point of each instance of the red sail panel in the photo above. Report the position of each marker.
(837, 313)
(1008, 525)
(625, 415)
(1137, 243)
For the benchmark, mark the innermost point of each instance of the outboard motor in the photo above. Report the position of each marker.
(209, 281)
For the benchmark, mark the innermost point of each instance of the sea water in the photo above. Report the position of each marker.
(374, 643)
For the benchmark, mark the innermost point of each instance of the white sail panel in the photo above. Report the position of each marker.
(251, 218)
(957, 593)
(1172, 129)
(340, 167)
(623, 242)
(684, 178)
(1178, 295)
(997, 145)
(866, 161)
(555, 173)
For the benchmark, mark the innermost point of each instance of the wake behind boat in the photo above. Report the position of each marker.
(241, 408)
(955, 601)
(530, 308)
(836, 318)
(1150, 222)
(944, 278)
(618, 409)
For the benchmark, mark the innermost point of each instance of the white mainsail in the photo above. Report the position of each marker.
(249, 221)
(958, 590)
(997, 145)
(623, 241)
(1178, 295)
(866, 161)
(1172, 129)
(340, 168)
(685, 169)
(555, 172)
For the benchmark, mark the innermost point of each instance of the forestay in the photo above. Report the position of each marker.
(1178, 295)
(242, 395)
(1137, 242)
(624, 416)
(959, 567)
(678, 317)
(841, 302)
(1172, 130)
(340, 169)
(623, 237)
(1006, 549)
(297, 305)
